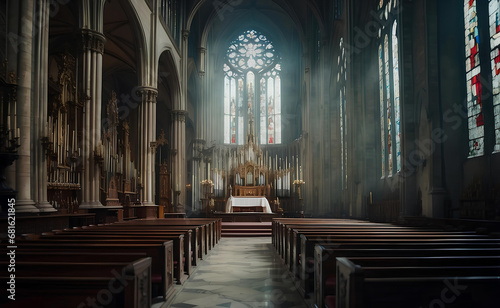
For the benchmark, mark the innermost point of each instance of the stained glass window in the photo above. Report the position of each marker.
(389, 89)
(388, 106)
(382, 106)
(494, 22)
(395, 78)
(473, 73)
(341, 81)
(253, 57)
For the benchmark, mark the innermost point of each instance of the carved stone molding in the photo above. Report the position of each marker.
(92, 40)
(179, 115)
(149, 93)
(185, 34)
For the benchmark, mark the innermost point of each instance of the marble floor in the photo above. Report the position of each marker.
(239, 272)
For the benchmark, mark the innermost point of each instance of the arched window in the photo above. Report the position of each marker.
(473, 74)
(481, 123)
(494, 10)
(252, 89)
(390, 115)
(341, 81)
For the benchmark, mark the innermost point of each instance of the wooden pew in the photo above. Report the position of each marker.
(377, 241)
(308, 241)
(364, 287)
(280, 225)
(203, 240)
(214, 225)
(161, 256)
(325, 258)
(285, 230)
(184, 249)
(177, 239)
(293, 245)
(293, 233)
(189, 233)
(71, 284)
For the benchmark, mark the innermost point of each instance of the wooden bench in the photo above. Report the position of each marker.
(284, 231)
(71, 284)
(161, 256)
(178, 252)
(214, 224)
(376, 241)
(413, 287)
(196, 243)
(185, 249)
(292, 248)
(210, 230)
(325, 260)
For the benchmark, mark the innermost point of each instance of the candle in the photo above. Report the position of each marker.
(73, 142)
(297, 168)
(18, 132)
(301, 172)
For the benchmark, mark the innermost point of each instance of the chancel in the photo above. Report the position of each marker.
(286, 153)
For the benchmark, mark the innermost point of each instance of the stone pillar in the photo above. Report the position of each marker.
(198, 173)
(40, 105)
(305, 143)
(199, 142)
(91, 77)
(24, 200)
(179, 175)
(147, 134)
(180, 130)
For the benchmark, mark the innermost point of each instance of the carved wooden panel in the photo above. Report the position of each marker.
(249, 191)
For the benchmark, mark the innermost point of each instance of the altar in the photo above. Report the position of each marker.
(247, 202)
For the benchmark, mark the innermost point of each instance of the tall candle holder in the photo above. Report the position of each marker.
(298, 183)
(99, 155)
(48, 146)
(8, 154)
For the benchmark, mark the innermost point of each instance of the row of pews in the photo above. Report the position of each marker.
(351, 263)
(124, 264)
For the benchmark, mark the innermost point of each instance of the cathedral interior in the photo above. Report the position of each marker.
(139, 135)
(378, 110)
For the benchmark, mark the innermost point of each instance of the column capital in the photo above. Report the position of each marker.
(179, 115)
(202, 49)
(185, 34)
(92, 40)
(200, 141)
(149, 93)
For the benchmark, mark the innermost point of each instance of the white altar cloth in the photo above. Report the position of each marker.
(247, 202)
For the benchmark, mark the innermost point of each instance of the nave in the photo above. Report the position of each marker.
(239, 272)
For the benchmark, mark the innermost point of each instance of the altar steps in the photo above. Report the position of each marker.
(246, 229)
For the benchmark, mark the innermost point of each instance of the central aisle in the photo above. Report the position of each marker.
(240, 272)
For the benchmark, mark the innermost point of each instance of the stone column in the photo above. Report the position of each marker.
(92, 47)
(198, 173)
(180, 130)
(24, 200)
(199, 142)
(147, 134)
(179, 176)
(40, 105)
